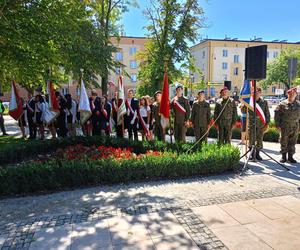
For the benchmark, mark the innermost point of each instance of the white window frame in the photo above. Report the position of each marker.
(133, 64)
(224, 65)
(225, 53)
(132, 50)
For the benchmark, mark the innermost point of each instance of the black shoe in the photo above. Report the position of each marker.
(258, 157)
(291, 159)
(283, 159)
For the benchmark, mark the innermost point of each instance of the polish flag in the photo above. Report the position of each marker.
(164, 108)
(15, 104)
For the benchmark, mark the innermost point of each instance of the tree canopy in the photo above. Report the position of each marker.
(61, 35)
(173, 25)
(277, 70)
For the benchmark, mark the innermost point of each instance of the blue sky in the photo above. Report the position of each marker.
(243, 19)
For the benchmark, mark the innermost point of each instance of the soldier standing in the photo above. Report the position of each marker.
(226, 118)
(261, 127)
(158, 129)
(181, 108)
(287, 118)
(200, 116)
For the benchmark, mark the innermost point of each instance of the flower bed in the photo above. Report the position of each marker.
(84, 165)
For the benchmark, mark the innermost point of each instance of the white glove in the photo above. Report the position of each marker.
(147, 126)
(132, 121)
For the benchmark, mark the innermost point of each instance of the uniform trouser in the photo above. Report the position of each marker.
(288, 139)
(133, 130)
(2, 124)
(159, 132)
(179, 132)
(199, 132)
(119, 131)
(224, 134)
(259, 136)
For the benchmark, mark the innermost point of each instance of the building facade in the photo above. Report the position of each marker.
(224, 60)
(128, 48)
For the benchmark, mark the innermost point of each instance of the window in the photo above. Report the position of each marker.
(225, 53)
(133, 78)
(132, 51)
(225, 77)
(275, 54)
(118, 70)
(119, 56)
(133, 64)
(236, 71)
(236, 58)
(203, 54)
(273, 89)
(224, 65)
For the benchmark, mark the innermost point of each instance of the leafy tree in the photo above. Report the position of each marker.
(277, 70)
(107, 14)
(173, 24)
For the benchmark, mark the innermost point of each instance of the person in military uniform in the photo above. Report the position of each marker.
(260, 126)
(181, 109)
(287, 118)
(200, 116)
(225, 120)
(158, 129)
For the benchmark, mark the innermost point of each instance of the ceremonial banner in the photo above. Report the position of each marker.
(164, 108)
(247, 97)
(53, 103)
(84, 105)
(122, 107)
(15, 104)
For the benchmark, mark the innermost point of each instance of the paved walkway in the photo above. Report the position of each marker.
(258, 210)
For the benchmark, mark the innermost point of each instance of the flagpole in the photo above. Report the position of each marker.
(246, 134)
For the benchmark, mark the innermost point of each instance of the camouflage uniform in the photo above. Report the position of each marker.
(287, 118)
(226, 120)
(158, 129)
(200, 118)
(260, 127)
(180, 118)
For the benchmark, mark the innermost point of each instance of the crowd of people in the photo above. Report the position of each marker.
(143, 116)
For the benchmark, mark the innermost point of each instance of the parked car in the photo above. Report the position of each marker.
(274, 99)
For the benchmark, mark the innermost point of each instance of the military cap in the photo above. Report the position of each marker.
(291, 90)
(223, 89)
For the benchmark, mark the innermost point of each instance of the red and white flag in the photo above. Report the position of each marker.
(164, 108)
(84, 106)
(121, 96)
(53, 103)
(15, 104)
(51, 108)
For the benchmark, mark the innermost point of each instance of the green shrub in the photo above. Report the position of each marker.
(58, 174)
(272, 135)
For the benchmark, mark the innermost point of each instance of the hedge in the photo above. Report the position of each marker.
(60, 174)
(271, 135)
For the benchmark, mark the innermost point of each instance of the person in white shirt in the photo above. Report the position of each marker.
(144, 117)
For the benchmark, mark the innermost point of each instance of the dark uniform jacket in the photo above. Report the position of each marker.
(229, 114)
(287, 114)
(200, 114)
(264, 106)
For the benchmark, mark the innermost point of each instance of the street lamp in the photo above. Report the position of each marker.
(191, 83)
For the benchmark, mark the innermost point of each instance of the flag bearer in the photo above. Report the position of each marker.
(262, 121)
(181, 108)
(158, 129)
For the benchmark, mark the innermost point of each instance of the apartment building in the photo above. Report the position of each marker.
(224, 60)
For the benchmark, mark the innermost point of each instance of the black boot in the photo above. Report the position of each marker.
(291, 159)
(283, 159)
(258, 157)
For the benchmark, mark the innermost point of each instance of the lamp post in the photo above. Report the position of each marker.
(191, 84)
